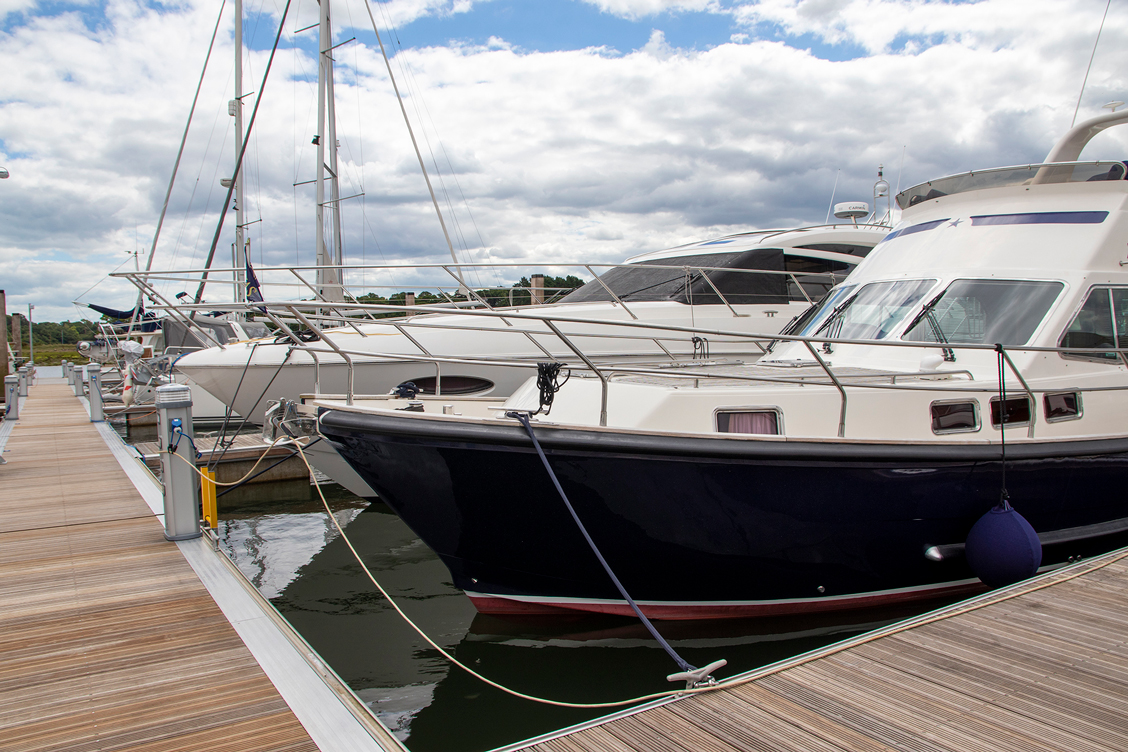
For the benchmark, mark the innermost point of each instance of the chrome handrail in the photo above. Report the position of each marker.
(306, 312)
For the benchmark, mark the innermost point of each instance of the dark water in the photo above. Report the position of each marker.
(282, 539)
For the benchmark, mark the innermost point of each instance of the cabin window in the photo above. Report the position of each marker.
(847, 248)
(1017, 411)
(749, 421)
(974, 311)
(955, 417)
(1102, 322)
(684, 282)
(1062, 406)
(875, 310)
(454, 385)
(815, 276)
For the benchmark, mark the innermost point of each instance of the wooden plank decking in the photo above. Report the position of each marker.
(108, 640)
(1045, 670)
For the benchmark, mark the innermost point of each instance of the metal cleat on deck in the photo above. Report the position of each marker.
(698, 677)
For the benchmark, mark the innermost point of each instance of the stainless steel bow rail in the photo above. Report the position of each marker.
(527, 322)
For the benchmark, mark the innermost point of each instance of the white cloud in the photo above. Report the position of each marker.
(576, 155)
(876, 25)
(397, 13)
(641, 8)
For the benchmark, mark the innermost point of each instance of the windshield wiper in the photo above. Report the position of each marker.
(835, 318)
(929, 313)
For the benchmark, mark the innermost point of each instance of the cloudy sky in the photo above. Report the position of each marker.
(557, 130)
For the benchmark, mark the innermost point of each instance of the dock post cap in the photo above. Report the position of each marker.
(178, 462)
(97, 413)
(12, 397)
(173, 395)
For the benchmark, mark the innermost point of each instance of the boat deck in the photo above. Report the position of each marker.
(109, 640)
(1040, 666)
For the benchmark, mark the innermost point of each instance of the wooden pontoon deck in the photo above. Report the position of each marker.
(1040, 666)
(109, 640)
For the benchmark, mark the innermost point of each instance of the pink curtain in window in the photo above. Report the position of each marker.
(763, 422)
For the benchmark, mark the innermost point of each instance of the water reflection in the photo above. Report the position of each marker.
(293, 554)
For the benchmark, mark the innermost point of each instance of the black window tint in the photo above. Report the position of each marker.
(814, 276)
(1092, 327)
(1018, 410)
(644, 282)
(853, 250)
(1120, 314)
(1062, 406)
(954, 417)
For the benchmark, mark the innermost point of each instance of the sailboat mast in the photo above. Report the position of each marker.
(328, 280)
(334, 183)
(238, 258)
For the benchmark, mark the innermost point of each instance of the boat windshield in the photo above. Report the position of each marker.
(810, 320)
(874, 311)
(977, 311)
(682, 279)
(1064, 172)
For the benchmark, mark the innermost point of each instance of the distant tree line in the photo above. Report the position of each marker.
(52, 332)
(518, 294)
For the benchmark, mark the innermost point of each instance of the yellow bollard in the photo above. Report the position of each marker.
(208, 499)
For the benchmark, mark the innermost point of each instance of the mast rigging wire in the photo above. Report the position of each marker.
(414, 143)
(176, 164)
(242, 151)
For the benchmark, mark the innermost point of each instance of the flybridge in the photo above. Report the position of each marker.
(1003, 177)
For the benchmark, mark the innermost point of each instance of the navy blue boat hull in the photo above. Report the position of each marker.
(710, 527)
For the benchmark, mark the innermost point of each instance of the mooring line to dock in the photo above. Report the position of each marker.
(280, 441)
(1014, 591)
(1050, 578)
(451, 658)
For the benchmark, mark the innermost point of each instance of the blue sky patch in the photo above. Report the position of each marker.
(554, 25)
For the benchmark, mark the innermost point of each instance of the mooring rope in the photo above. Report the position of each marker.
(451, 658)
(1077, 570)
(280, 441)
(523, 418)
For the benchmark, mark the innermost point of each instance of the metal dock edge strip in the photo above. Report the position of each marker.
(1033, 584)
(331, 713)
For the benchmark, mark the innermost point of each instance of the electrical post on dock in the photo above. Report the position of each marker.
(178, 473)
(96, 413)
(79, 378)
(12, 397)
(70, 375)
(24, 378)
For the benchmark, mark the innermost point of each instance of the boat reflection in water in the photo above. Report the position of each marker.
(292, 552)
